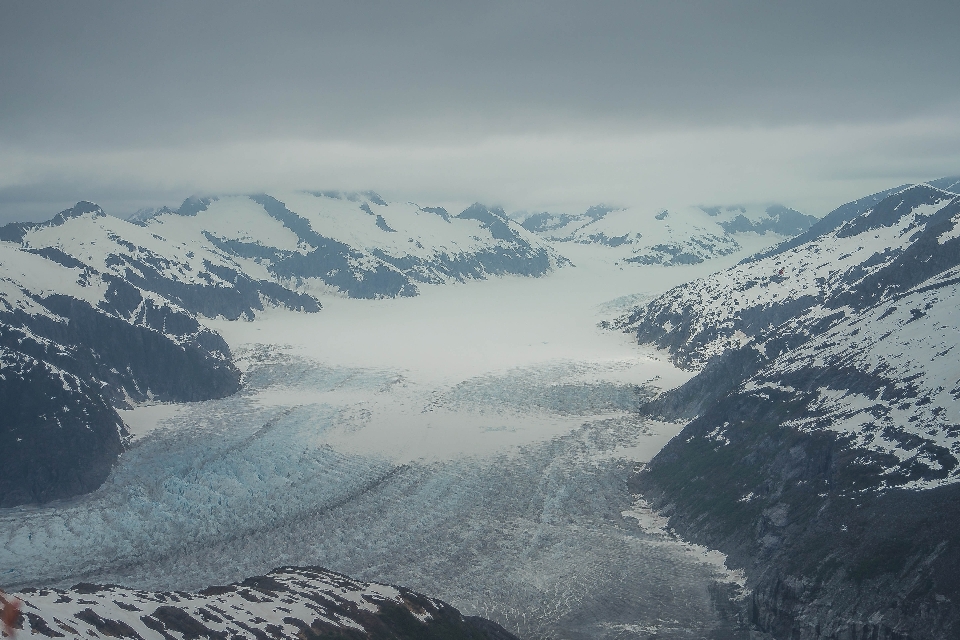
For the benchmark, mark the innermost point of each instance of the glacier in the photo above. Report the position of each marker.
(473, 443)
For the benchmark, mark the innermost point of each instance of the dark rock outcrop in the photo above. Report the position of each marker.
(58, 436)
(828, 555)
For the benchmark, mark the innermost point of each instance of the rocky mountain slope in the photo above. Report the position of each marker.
(823, 449)
(97, 312)
(688, 236)
(290, 602)
(74, 343)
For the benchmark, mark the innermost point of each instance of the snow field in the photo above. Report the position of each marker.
(416, 232)
(25, 274)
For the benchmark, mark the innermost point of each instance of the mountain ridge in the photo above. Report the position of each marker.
(671, 238)
(822, 440)
(302, 602)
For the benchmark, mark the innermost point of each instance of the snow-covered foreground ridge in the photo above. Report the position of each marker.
(290, 602)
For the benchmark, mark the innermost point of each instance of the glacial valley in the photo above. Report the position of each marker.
(505, 414)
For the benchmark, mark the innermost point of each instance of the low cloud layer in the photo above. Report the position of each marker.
(527, 105)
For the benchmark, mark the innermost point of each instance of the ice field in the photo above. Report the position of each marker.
(472, 443)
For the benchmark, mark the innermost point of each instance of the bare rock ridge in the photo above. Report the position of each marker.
(823, 439)
(290, 602)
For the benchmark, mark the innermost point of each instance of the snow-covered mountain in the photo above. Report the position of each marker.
(689, 235)
(75, 342)
(290, 602)
(231, 255)
(862, 314)
(97, 312)
(820, 439)
(824, 446)
(355, 244)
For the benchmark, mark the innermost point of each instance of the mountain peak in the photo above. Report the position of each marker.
(79, 209)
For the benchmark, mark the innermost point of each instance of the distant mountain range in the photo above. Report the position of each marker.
(689, 236)
(824, 437)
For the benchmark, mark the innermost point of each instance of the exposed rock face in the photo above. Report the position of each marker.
(826, 558)
(824, 446)
(290, 602)
(58, 436)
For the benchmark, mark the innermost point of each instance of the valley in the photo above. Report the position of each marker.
(473, 443)
(517, 418)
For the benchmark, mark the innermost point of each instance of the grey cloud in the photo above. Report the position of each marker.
(116, 74)
(524, 104)
(40, 201)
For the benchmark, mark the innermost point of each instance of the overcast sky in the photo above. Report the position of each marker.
(528, 105)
